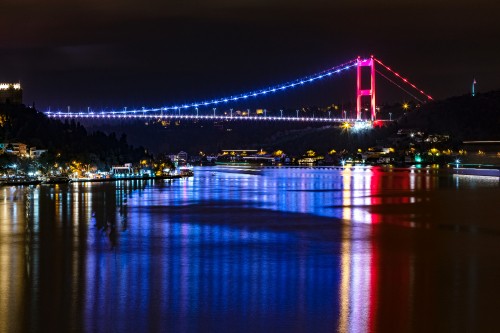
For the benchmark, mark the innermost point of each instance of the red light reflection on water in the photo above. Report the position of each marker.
(372, 198)
(376, 195)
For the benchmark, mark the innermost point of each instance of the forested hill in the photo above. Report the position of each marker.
(68, 139)
(464, 117)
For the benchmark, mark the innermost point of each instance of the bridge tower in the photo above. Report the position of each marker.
(366, 92)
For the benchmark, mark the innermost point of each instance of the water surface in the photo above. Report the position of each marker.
(278, 250)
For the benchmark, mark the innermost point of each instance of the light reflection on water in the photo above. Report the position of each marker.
(287, 250)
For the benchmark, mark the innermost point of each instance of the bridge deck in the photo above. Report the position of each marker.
(198, 117)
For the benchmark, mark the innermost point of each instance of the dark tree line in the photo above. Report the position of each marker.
(65, 140)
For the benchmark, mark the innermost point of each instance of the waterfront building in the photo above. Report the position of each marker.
(125, 169)
(239, 152)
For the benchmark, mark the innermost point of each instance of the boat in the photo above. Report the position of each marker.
(57, 180)
(186, 171)
(477, 171)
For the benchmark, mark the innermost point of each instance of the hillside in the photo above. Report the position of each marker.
(67, 140)
(463, 117)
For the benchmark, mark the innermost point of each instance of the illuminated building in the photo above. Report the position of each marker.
(15, 148)
(11, 93)
(36, 153)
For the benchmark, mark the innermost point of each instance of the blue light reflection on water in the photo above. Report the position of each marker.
(253, 276)
(207, 275)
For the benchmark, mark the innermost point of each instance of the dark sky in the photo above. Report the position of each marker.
(115, 53)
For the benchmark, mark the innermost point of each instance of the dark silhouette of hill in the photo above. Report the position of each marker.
(463, 117)
(293, 137)
(69, 140)
(205, 136)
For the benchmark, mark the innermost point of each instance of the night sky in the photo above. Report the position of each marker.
(115, 53)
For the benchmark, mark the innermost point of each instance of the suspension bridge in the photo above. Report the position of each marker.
(190, 111)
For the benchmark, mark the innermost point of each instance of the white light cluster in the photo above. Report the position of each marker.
(362, 125)
(6, 86)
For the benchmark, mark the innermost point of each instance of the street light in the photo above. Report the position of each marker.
(297, 113)
(281, 113)
(390, 116)
(345, 114)
(214, 111)
(196, 112)
(231, 112)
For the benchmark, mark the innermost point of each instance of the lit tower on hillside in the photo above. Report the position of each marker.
(11, 93)
(365, 92)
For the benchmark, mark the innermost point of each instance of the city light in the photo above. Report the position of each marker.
(346, 125)
(362, 125)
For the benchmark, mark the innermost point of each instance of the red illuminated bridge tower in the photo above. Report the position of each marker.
(365, 92)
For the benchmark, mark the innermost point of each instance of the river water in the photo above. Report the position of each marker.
(273, 250)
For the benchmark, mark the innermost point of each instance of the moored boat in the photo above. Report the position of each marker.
(57, 180)
(186, 171)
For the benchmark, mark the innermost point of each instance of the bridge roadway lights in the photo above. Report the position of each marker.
(202, 117)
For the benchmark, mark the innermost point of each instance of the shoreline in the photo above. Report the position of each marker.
(102, 180)
(476, 170)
